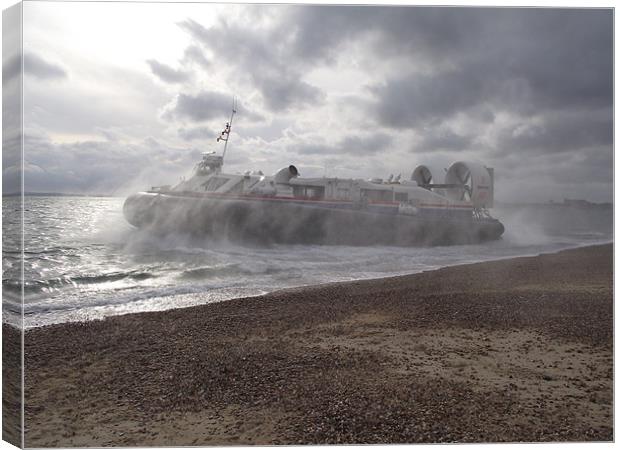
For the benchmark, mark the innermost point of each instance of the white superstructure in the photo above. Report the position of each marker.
(284, 206)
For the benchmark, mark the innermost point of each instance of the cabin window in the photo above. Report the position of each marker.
(401, 197)
(214, 183)
(309, 192)
(342, 194)
(378, 195)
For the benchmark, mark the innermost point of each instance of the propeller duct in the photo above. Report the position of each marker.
(470, 182)
(423, 176)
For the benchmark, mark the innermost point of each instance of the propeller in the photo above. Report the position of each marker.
(464, 180)
(427, 177)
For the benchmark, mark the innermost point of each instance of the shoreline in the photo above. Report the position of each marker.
(514, 350)
(310, 286)
(295, 289)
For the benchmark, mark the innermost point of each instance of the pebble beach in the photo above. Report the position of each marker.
(516, 350)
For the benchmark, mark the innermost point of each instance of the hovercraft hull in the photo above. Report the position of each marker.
(264, 220)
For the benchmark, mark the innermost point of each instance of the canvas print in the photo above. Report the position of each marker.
(256, 224)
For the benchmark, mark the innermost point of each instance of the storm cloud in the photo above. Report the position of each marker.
(443, 138)
(371, 90)
(261, 55)
(205, 105)
(412, 101)
(523, 62)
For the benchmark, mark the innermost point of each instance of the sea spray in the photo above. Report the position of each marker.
(84, 262)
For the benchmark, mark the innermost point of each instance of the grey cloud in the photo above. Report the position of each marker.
(312, 149)
(195, 29)
(12, 105)
(11, 68)
(523, 61)
(531, 43)
(11, 158)
(412, 101)
(38, 67)
(351, 145)
(34, 65)
(320, 31)
(549, 70)
(167, 73)
(101, 166)
(194, 54)
(518, 60)
(202, 133)
(583, 169)
(264, 57)
(109, 134)
(12, 33)
(203, 106)
(442, 139)
(206, 105)
(565, 55)
(282, 91)
(559, 134)
(370, 144)
(556, 176)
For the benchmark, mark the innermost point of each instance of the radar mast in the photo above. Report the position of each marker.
(211, 162)
(225, 135)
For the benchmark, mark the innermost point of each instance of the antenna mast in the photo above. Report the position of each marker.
(226, 133)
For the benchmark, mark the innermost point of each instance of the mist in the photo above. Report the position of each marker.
(263, 222)
(552, 224)
(101, 265)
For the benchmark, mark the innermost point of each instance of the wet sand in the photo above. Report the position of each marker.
(513, 350)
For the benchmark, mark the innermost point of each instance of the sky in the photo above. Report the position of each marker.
(119, 97)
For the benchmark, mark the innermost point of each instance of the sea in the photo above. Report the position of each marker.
(83, 261)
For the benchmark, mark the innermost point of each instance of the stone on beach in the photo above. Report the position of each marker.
(511, 350)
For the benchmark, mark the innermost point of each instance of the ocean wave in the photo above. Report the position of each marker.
(39, 286)
(119, 299)
(210, 271)
(227, 270)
